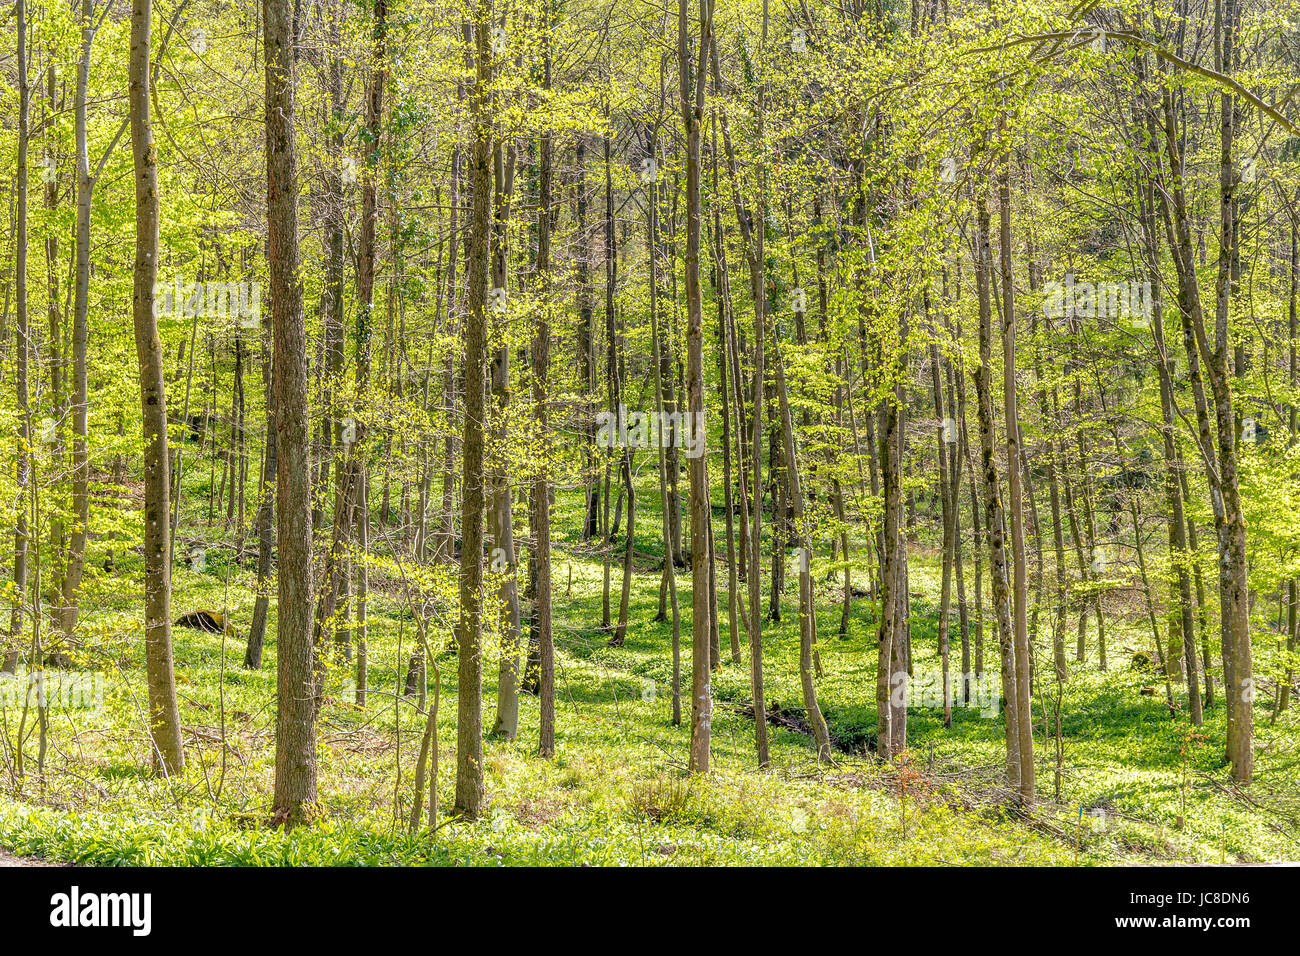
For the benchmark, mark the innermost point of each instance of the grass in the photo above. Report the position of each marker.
(616, 792)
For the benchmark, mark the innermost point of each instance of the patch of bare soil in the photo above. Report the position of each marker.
(9, 859)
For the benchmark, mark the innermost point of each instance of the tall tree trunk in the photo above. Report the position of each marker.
(994, 518)
(891, 679)
(1023, 651)
(586, 363)
(669, 570)
(55, 359)
(692, 71)
(733, 624)
(296, 690)
(443, 550)
(611, 372)
(1293, 598)
(541, 356)
(23, 333)
(500, 496)
(469, 706)
(367, 253)
(1234, 590)
(1219, 458)
(164, 715)
(332, 304)
(753, 241)
(944, 431)
(76, 560)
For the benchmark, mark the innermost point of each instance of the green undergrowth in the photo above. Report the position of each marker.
(616, 792)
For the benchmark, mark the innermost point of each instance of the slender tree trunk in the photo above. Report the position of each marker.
(692, 105)
(295, 729)
(504, 558)
(76, 560)
(541, 486)
(469, 718)
(1219, 458)
(55, 359)
(995, 521)
(445, 546)
(949, 531)
(591, 468)
(1293, 598)
(23, 329)
(333, 305)
(1023, 651)
(164, 715)
(264, 521)
(669, 570)
(1234, 590)
(733, 613)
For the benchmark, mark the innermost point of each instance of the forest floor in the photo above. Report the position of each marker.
(617, 791)
(7, 859)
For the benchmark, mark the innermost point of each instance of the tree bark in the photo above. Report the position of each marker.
(1023, 652)
(541, 485)
(692, 106)
(995, 521)
(296, 689)
(164, 715)
(76, 559)
(469, 706)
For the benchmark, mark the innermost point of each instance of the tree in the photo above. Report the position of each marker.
(469, 629)
(692, 74)
(13, 653)
(541, 356)
(164, 715)
(1015, 494)
(295, 724)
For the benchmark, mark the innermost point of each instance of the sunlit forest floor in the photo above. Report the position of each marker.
(617, 792)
